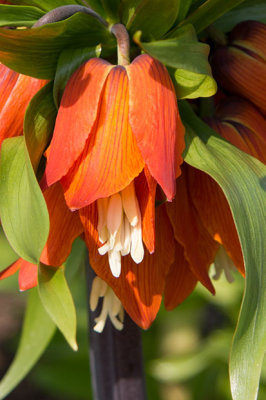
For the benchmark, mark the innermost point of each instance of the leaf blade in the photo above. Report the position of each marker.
(56, 298)
(37, 332)
(23, 210)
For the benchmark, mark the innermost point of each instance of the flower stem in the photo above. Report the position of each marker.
(123, 44)
(116, 359)
(64, 12)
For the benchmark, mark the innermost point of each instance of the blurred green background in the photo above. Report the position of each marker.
(185, 351)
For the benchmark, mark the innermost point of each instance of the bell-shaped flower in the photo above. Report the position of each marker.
(118, 133)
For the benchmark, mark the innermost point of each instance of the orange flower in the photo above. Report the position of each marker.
(118, 134)
(240, 68)
(15, 90)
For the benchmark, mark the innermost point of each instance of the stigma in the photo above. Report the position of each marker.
(119, 228)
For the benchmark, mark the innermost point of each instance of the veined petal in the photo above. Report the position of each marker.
(145, 186)
(238, 121)
(139, 286)
(28, 275)
(65, 227)
(10, 270)
(180, 281)
(16, 91)
(155, 121)
(110, 159)
(215, 214)
(199, 247)
(241, 74)
(76, 117)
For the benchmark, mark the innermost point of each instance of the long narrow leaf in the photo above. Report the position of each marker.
(38, 330)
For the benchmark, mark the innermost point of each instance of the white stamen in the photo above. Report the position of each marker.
(114, 258)
(102, 205)
(222, 263)
(130, 204)
(111, 307)
(120, 217)
(126, 238)
(137, 250)
(98, 289)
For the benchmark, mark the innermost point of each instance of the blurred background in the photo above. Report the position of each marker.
(185, 351)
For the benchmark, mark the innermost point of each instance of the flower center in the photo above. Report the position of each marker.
(224, 263)
(119, 228)
(111, 306)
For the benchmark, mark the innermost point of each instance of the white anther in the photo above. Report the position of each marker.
(130, 204)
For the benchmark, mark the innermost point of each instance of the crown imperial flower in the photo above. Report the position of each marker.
(118, 127)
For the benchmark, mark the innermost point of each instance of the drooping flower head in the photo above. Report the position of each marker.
(117, 128)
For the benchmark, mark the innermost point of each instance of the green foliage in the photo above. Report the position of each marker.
(188, 60)
(46, 5)
(18, 15)
(39, 123)
(242, 178)
(23, 210)
(37, 332)
(153, 17)
(57, 301)
(35, 52)
(249, 9)
(209, 12)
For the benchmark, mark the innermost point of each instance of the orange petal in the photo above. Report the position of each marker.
(110, 159)
(65, 227)
(76, 117)
(11, 270)
(155, 121)
(250, 36)
(180, 281)
(28, 275)
(243, 125)
(199, 247)
(140, 286)
(145, 186)
(16, 91)
(241, 74)
(215, 214)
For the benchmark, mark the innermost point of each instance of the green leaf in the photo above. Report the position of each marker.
(68, 62)
(57, 300)
(19, 16)
(23, 210)
(46, 5)
(242, 179)
(188, 60)
(153, 17)
(39, 123)
(37, 332)
(35, 52)
(251, 9)
(183, 9)
(111, 8)
(209, 12)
